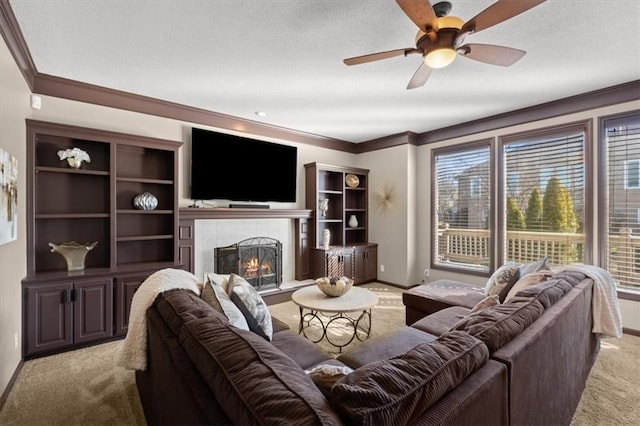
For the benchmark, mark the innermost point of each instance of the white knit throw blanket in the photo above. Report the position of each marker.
(133, 354)
(607, 319)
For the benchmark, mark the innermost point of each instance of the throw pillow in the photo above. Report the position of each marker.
(540, 265)
(220, 279)
(485, 303)
(527, 281)
(256, 309)
(326, 375)
(502, 280)
(214, 295)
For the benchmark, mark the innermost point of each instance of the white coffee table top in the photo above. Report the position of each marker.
(356, 299)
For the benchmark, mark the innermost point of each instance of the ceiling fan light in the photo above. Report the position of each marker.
(440, 57)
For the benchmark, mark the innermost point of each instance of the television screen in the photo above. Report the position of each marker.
(235, 168)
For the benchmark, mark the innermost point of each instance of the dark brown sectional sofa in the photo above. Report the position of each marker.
(522, 362)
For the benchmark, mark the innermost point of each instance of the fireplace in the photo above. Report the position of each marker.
(258, 260)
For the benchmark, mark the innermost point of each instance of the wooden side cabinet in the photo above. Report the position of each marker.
(125, 289)
(365, 263)
(62, 314)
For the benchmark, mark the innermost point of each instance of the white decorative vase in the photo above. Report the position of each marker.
(326, 238)
(353, 221)
(145, 201)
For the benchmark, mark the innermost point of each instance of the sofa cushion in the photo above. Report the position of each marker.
(385, 346)
(501, 281)
(399, 390)
(442, 321)
(179, 306)
(548, 292)
(497, 325)
(253, 381)
(300, 350)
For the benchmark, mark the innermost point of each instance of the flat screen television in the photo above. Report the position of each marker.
(235, 168)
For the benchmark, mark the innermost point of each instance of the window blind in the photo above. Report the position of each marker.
(623, 190)
(461, 204)
(544, 187)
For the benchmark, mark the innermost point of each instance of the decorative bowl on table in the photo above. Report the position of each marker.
(334, 286)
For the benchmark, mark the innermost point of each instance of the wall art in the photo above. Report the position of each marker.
(8, 197)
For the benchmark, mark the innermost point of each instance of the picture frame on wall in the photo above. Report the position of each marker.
(8, 197)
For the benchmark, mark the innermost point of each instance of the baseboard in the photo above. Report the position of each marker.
(631, 331)
(7, 390)
(404, 287)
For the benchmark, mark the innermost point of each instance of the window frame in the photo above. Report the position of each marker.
(603, 197)
(483, 143)
(585, 127)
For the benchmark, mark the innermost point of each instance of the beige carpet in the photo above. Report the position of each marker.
(84, 387)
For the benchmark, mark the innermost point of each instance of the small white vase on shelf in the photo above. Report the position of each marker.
(326, 238)
(353, 221)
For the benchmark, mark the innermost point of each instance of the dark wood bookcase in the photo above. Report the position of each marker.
(350, 252)
(93, 203)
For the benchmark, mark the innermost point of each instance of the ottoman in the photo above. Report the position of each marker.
(426, 299)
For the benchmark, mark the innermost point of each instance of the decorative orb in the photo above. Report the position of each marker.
(145, 201)
(334, 287)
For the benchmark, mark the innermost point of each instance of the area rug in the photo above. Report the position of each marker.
(85, 387)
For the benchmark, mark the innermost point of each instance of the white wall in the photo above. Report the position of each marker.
(14, 108)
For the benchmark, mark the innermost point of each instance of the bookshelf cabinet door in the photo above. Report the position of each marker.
(48, 317)
(93, 310)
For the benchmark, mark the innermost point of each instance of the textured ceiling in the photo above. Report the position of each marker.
(285, 58)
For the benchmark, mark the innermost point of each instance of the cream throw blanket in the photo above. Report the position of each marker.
(133, 353)
(607, 319)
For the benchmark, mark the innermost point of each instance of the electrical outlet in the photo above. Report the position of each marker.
(426, 272)
(381, 268)
(15, 342)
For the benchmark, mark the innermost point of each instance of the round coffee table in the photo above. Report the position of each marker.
(325, 311)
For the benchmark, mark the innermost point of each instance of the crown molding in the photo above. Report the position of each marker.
(12, 35)
(89, 93)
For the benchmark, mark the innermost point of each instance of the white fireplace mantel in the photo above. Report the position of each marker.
(300, 218)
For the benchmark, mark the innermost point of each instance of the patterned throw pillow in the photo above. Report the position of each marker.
(502, 280)
(527, 281)
(485, 303)
(214, 294)
(251, 305)
(540, 265)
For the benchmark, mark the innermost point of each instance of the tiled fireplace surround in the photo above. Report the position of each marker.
(202, 230)
(224, 232)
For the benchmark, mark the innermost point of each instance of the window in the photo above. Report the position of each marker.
(460, 204)
(544, 204)
(632, 174)
(619, 180)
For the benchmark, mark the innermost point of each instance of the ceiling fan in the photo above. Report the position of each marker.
(440, 36)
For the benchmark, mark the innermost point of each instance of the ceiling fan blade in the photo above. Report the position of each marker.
(491, 54)
(378, 56)
(420, 12)
(420, 77)
(498, 12)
